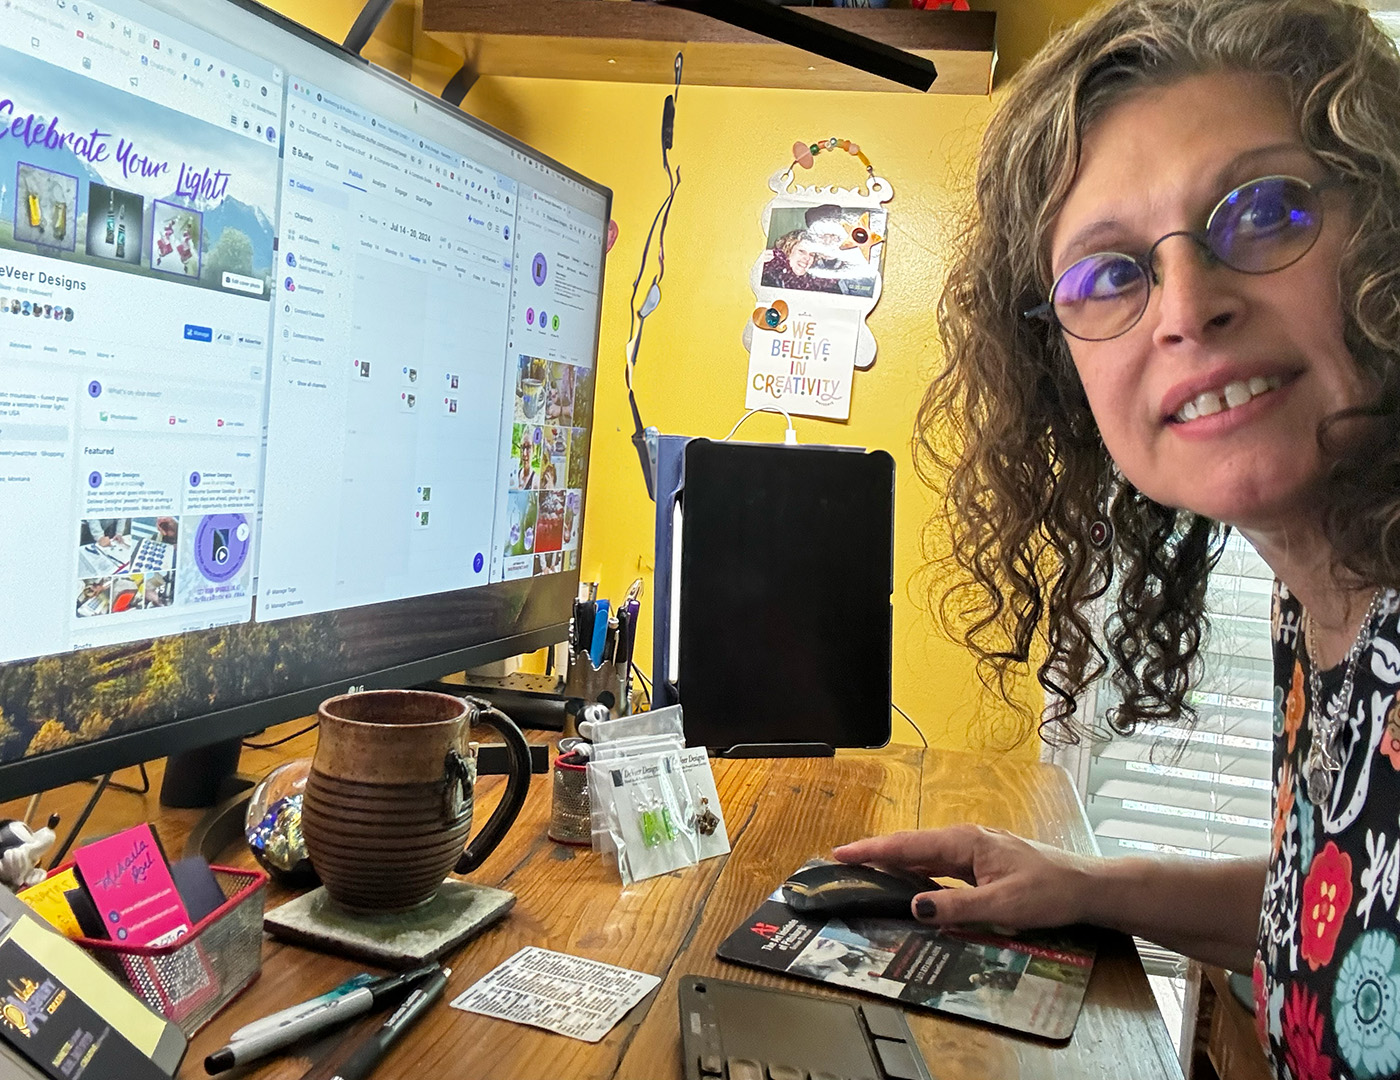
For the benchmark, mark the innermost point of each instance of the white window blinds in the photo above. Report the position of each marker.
(1203, 791)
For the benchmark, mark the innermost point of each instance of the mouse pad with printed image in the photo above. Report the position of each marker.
(1032, 982)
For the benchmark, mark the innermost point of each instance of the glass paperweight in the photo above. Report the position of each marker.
(273, 825)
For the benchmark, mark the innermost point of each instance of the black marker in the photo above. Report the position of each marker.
(375, 1046)
(268, 1038)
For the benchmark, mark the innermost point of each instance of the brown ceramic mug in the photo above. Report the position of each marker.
(388, 804)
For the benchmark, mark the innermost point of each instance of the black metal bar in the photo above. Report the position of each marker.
(457, 86)
(82, 820)
(371, 15)
(132, 789)
(791, 28)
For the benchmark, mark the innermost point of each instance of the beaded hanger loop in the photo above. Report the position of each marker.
(804, 154)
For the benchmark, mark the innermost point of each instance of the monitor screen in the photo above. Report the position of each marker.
(297, 381)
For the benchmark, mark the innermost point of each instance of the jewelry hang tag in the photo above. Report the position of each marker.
(816, 281)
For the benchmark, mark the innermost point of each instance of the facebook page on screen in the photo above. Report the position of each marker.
(267, 352)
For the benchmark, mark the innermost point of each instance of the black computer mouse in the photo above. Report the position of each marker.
(861, 891)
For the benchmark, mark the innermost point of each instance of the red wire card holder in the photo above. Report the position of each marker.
(191, 979)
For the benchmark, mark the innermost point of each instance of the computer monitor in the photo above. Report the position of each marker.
(296, 389)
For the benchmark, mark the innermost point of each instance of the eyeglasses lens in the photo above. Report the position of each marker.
(1265, 225)
(1100, 296)
(1258, 228)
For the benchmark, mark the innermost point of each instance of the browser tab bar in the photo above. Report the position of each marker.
(201, 78)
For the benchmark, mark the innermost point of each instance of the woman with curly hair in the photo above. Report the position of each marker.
(1176, 312)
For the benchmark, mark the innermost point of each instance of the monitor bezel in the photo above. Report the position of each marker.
(55, 768)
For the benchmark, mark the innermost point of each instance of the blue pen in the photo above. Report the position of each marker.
(600, 633)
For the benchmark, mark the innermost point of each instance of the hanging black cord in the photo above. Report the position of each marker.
(366, 23)
(637, 316)
(663, 212)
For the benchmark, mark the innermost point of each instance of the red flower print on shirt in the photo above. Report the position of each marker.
(1302, 1036)
(1293, 707)
(1326, 898)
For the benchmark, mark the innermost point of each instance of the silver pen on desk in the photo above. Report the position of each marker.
(338, 1010)
(301, 1008)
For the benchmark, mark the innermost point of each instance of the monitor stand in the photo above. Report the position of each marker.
(204, 777)
(207, 778)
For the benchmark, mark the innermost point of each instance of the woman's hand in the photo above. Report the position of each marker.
(1014, 883)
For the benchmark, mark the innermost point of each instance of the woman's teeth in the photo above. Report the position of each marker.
(1232, 396)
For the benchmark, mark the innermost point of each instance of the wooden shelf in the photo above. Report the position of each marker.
(620, 41)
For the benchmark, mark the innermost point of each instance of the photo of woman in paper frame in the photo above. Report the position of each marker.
(824, 249)
(818, 249)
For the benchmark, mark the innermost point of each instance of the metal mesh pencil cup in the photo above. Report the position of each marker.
(609, 685)
(570, 818)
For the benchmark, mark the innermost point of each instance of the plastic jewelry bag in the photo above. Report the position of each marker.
(711, 837)
(657, 722)
(600, 792)
(651, 823)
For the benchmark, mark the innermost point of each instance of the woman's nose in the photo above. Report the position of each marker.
(1196, 296)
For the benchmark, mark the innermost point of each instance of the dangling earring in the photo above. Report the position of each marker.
(1101, 528)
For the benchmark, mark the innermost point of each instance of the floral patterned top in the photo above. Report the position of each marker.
(1327, 974)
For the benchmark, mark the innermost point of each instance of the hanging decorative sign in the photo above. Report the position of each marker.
(815, 282)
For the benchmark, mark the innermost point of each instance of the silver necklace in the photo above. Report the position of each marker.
(1325, 721)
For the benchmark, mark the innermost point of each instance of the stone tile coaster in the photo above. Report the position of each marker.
(459, 911)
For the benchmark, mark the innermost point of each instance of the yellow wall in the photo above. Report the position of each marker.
(691, 374)
(690, 378)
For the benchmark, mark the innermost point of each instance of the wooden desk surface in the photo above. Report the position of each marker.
(779, 812)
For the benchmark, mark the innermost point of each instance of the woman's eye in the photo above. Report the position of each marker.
(1120, 275)
(1264, 215)
(1102, 279)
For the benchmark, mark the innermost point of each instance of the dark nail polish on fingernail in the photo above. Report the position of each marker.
(925, 908)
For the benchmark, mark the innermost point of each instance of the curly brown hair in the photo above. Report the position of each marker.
(789, 240)
(1030, 474)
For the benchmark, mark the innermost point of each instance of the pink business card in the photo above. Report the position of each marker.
(131, 887)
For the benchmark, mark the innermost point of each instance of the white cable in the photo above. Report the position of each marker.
(789, 436)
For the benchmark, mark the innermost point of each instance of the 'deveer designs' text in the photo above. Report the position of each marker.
(13, 274)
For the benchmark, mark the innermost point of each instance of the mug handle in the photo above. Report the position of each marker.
(517, 787)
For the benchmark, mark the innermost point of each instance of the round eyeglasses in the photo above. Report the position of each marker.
(1258, 228)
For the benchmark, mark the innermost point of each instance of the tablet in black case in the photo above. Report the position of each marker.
(787, 568)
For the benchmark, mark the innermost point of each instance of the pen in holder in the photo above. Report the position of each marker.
(599, 630)
(609, 685)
